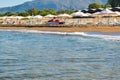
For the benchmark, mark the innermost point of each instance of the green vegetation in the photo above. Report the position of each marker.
(43, 12)
(22, 14)
(9, 14)
(95, 5)
(32, 11)
(35, 11)
(1, 14)
(114, 3)
(107, 5)
(110, 3)
(51, 4)
(65, 11)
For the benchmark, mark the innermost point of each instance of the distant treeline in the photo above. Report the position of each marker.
(114, 3)
(43, 12)
(35, 11)
(110, 3)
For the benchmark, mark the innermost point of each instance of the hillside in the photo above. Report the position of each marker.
(55, 4)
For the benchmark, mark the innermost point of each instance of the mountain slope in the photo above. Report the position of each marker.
(55, 4)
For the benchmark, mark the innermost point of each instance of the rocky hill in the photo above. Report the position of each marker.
(55, 4)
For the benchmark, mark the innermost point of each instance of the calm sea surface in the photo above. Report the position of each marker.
(36, 56)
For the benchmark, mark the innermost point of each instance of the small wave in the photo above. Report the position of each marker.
(105, 36)
(47, 32)
(101, 35)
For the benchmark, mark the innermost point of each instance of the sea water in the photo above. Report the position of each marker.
(48, 55)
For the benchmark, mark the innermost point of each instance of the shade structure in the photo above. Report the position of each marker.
(116, 9)
(79, 14)
(19, 17)
(84, 10)
(64, 15)
(49, 16)
(106, 12)
(12, 17)
(38, 16)
(118, 13)
(88, 14)
(4, 17)
(30, 17)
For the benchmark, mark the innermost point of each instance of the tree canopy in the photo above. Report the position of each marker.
(114, 3)
(35, 11)
(95, 5)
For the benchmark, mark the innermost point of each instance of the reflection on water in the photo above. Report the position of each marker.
(26, 56)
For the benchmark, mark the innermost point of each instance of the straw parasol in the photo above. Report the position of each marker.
(12, 17)
(64, 15)
(118, 13)
(30, 17)
(106, 12)
(38, 17)
(79, 14)
(4, 17)
(49, 16)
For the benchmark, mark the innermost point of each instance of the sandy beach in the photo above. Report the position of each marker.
(64, 28)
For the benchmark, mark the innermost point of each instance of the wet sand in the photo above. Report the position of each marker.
(64, 28)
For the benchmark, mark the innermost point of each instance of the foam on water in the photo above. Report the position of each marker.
(107, 36)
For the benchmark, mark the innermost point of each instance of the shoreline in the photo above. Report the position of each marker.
(64, 28)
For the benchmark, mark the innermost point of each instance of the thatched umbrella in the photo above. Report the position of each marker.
(64, 15)
(106, 13)
(38, 17)
(49, 16)
(116, 9)
(79, 14)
